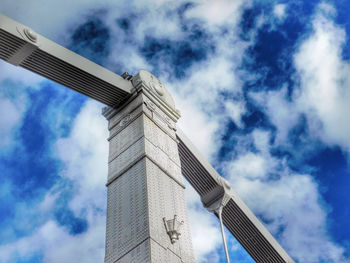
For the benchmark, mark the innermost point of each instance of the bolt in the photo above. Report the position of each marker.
(32, 36)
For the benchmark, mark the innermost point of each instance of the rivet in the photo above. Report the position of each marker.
(32, 36)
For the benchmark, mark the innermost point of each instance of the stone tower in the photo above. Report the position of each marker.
(147, 218)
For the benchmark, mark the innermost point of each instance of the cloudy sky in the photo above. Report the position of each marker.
(264, 91)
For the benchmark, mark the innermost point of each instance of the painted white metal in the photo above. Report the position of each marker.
(214, 201)
(237, 217)
(23, 47)
(173, 228)
(219, 213)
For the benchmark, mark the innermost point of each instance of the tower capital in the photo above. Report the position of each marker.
(155, 90)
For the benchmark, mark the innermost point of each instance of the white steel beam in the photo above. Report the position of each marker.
(237, 217)
(21, 46)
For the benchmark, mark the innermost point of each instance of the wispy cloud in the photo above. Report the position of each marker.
(324, 78)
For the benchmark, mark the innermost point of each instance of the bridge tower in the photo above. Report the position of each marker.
(147, 217)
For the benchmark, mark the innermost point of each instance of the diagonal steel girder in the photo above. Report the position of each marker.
(21, 46)
(237, 217)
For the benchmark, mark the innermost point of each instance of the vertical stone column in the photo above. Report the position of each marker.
(145, 184)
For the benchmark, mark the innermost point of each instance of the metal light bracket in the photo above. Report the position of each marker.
(172, 227)
(215, 200)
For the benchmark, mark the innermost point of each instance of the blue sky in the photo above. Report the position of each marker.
(263, 87)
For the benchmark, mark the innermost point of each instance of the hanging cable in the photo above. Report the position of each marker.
(219, 212)
(215, 200)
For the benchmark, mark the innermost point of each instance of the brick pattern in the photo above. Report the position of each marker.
(145, 185)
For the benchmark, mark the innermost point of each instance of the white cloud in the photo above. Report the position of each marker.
(57, 245)
(192, 123)
(11, 116)
(155, 14)
(13, 105)
(199, 97)
(56, 20)
(325, 81)
(205, 229)
(282, 113)
(290, 202)
(19, 75)
(279, 10)
(216, 74)
(49, 201)
(235, 110)
(249, 165)
(14, 85)
(217, 12)
(85, 154)
(261, 140)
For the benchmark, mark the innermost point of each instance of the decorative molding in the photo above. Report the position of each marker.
(152, 87)
(125, 120)
(108, 112)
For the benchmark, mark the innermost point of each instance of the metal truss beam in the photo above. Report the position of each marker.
(237, 217)
(21, 46)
